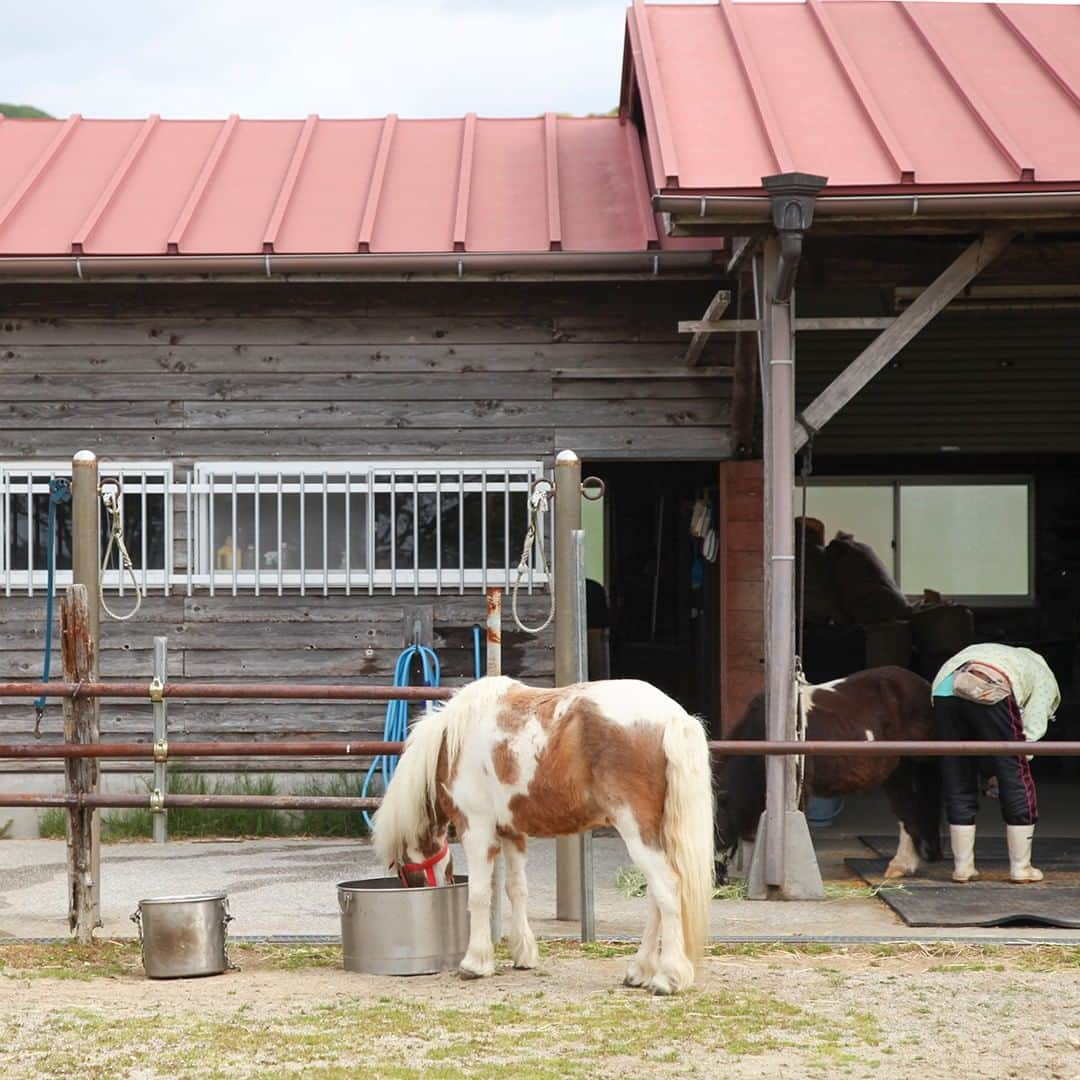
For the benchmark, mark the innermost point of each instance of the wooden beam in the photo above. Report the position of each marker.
(717, 306)
(739, 326)
(745, 385)
(742, 250)
(886, 345)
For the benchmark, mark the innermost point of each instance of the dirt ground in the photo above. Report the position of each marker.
(757, 1011)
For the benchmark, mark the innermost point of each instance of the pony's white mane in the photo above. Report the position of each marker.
(408, 808)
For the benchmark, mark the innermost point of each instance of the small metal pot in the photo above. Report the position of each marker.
(183, 936)
(387, 929)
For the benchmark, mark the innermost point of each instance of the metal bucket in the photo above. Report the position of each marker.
(390, 930)
(183, 936)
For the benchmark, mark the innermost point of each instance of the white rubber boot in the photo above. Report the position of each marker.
(1019, 838)
(962, 838)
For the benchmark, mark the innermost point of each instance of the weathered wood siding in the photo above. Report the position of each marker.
(220, 639)
(271, 370)
(274, 370)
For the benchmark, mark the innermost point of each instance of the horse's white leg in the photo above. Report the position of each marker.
(523, 949)
(906, 860)
(674, 971)
(643, 967)
(479, 959)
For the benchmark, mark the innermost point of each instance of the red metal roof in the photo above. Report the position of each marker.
(873, 94)
(195, 187)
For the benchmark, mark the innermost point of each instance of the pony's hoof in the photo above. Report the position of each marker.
(660, 987)
(466, 973)
(526, 959)
(894, 872)
(635, 979)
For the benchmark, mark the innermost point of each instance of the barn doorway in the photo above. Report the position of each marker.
(659, 580)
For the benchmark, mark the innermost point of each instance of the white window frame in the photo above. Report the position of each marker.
(892, 559)
(134, 483)
(337, 477)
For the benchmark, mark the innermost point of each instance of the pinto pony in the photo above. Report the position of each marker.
(884, 703)
(502, 761)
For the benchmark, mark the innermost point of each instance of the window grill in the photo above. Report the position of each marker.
(251, 527)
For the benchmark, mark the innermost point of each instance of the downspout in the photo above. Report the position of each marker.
(792, 196)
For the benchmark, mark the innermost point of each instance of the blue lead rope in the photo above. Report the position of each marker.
(59, 492)
(396, 725)
(477, 669)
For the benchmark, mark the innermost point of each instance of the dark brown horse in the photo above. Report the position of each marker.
(882, 704)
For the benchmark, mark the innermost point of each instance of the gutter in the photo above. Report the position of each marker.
(740, 209)
(439, 266)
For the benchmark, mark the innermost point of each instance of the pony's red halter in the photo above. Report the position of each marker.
(427, 867)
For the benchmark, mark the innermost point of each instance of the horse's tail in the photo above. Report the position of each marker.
(688, 825)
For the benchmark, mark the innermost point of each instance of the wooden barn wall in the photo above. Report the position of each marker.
(273, 370)
(262, 371)
(977, 382)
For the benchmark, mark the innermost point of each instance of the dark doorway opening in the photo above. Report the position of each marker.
(661, 580)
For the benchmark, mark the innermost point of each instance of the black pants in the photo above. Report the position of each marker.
(957, 718)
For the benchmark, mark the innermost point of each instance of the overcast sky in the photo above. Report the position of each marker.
(266, 58)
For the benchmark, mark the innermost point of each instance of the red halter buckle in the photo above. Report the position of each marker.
(427, 867)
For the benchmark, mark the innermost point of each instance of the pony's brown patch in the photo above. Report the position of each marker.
(520, 704)
(590, 768)
(505, 763)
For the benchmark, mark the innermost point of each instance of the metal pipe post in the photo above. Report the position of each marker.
(585, 867)
(161, 737)
(494, 667)
(567, 651)
(86, 570)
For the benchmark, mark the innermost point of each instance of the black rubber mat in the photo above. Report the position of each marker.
(1063, 852)
(933, 899)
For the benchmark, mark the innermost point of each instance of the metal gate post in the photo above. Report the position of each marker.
(585, 867)
(567, 655)
(494, 667)
(86, 571)
(161, 738)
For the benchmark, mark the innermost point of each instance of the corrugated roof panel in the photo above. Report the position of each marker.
(145, 207)
(934, 125)
(806, 86)
(20, 147)
(66, 190)
(705, 86)
(967, 94)
(596, 185)
(1033, 108)
(508, 193)
(239, 197)
(417, 201)
(328, 200)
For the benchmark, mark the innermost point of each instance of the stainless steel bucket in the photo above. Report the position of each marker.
(390, 930)
(183, 936)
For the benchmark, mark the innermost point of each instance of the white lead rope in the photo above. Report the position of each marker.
(538, 500)
(111, 498)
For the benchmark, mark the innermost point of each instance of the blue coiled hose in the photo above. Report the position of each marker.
(396, 725)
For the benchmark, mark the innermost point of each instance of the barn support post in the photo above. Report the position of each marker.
(783, 864)
(161, 738)
(567, 653)
(80, 774)
(86, 571)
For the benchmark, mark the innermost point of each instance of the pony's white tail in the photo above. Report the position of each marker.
(688, 826)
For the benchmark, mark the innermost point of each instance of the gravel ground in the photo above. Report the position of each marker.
(902, 1011)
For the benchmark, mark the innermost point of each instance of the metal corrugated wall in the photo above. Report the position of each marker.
(977, 382)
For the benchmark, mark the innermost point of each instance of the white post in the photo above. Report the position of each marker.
(585, 865)
(494, 667)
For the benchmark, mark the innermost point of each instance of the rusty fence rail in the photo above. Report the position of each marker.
(203, 690)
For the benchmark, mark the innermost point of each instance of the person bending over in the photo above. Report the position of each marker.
(993, 692)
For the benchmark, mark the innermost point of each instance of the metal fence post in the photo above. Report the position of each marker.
(567, 519)
(86, 571)
(494, 667)
(161, 739)
(585, 864)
